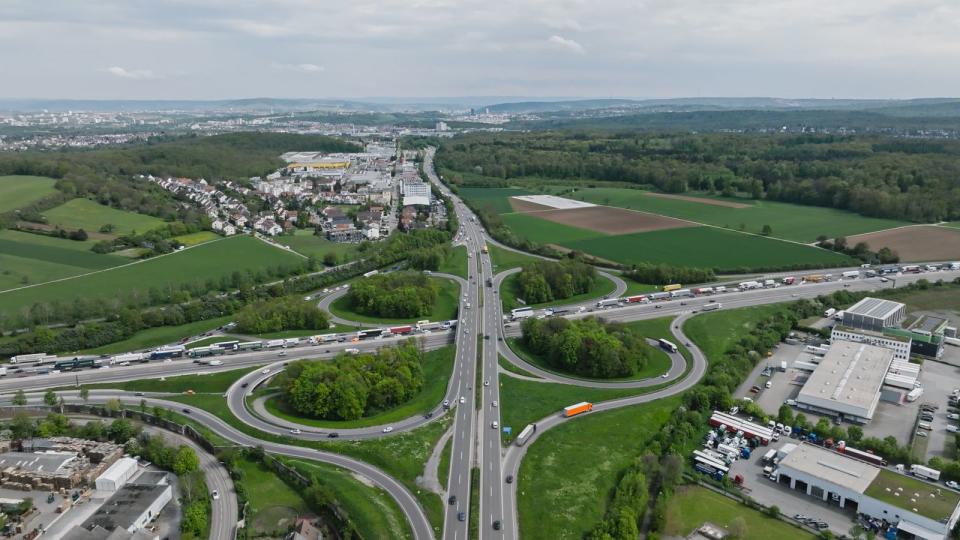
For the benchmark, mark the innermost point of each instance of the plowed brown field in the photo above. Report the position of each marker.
(915, 243)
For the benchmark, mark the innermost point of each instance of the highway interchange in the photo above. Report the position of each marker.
(479, 338)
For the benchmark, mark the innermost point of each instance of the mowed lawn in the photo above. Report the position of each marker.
(691, 506)
(90, 216)
(789, 221)
(30, 258)
(569, 472)
(17, 191)
(308, 244)
(707, 247)
(498, 198)
(193, 239)
(198, 264)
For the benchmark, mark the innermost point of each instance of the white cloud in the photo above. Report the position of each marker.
(303, 68)
(566, 44)
(135, 74)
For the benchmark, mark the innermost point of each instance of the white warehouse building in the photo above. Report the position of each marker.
(847, 381)
(875, 314)
(922, 509)
(899, 345)
(117, 474)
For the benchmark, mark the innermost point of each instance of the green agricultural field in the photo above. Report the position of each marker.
(163, 335)
(19, 191)
(306, 243)
(562, 495)
(498, 198)
(193, 239)
(90, 216)
(706, 247)
(788, 221)
(209, 261)
(542, 231)
(456, 262)
(444, 309)
(509, 293)
(691, 506)
(29, 259)
(437, 367)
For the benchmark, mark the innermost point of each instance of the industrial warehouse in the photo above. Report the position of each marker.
(908, 504)
(847, 381)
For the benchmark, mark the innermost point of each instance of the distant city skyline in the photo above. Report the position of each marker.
(217, 49)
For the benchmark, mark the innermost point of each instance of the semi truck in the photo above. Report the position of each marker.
(35, 358)
(401, 330)
(790, 280)
(525, 434)
(227, 345)
(703, 290)
(667, 345)
(291, 342)
(250, 346)
(369, 333)
(274, 343)
(521, 313)
(749, 285)
(860, 454)
(76, 363)
(853, 274)
(672, 287)
(712, 307)
(175, 351)
(578, 408)
(127, 357)
(609, 302)
(635, 299)
(371, 273)
(925, 472)
(659, 296)
(813, 278)
(681, 293)
(829, 312)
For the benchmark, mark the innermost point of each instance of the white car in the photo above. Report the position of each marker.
(265, 371)
(952, 485)
(388, 429)
(215, 494)
(952, 428)
(495, 424)
(495, 403)
(295, 431)
(463, 399)
(486, 383)
(665, 375)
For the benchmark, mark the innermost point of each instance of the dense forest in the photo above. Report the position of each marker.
(662, 274)
(916, 180)
(586, 346)
(544, 281)
(351, 387)
(394, 295)
(277, 314)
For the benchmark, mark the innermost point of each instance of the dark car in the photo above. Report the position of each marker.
(510, 479)
(333, 435)
(496, 525)
(462, 516)
(186, 411)
(428, 415)
(452, 499)
(244, 385)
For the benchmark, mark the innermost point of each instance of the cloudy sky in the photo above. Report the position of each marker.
(213, 49)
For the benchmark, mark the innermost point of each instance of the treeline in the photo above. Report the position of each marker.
(154, 242)
(276, 314)
(870, 175)
(662, 274)
(586, 347)
(122, 320)
(860, 250)
(395, 295)
(544, 281)
(351, 387)
(428, 259)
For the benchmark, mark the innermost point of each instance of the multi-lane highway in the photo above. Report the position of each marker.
(474, 401)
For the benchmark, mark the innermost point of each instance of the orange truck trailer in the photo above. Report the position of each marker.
(574, 410)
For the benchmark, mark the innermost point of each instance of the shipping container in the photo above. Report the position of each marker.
(525, 434)
(673, 287)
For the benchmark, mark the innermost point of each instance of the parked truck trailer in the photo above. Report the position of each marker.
(578, 408)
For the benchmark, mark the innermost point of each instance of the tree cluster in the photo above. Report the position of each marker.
(397, 295)
(860, 250)
(285, 313)
(586, 346)
(544, 281)
(662, 274)
(870, 175)
(351, 387)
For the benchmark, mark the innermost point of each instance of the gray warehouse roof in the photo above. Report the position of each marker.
(123, 508)
(876, 308)
(831, 467)
(848, 379)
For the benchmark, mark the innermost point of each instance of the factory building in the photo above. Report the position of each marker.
(875, 314)
(921, 509)
(898, 344)
(846, 383)
(117, 475)
(128, 512)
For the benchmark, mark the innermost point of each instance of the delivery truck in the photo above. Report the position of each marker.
(577, 408)
(925, 472)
